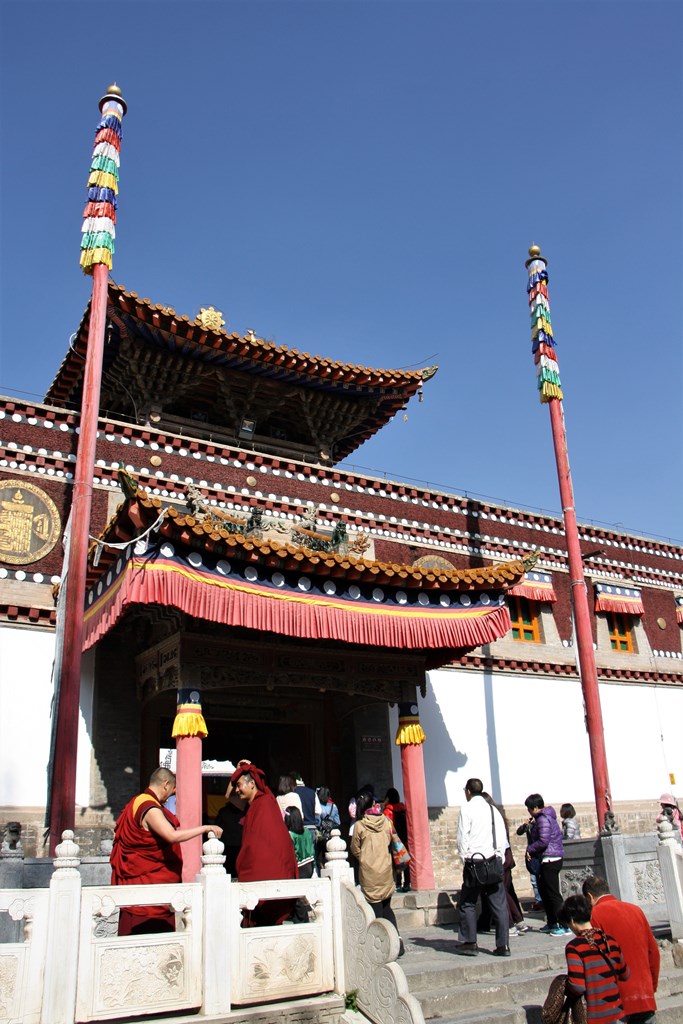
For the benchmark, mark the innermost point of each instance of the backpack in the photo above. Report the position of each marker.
(324, 831)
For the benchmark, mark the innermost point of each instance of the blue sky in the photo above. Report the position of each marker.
(361, 180)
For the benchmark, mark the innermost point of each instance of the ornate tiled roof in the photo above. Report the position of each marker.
(165, 557)
(156, 359)
(140, 511)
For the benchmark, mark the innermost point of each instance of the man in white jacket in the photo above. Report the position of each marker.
(481, 844)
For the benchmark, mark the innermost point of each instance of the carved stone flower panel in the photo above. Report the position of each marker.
(145, 978)
(571, 881)
(283, 967)
(647, 881)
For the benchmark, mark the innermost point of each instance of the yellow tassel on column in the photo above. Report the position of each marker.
(189, 721)
(409, 731)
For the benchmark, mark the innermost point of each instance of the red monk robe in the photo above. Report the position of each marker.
(141, 857)
(267, 850)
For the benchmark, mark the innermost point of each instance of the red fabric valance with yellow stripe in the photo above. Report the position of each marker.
(294, 605)
(536, 586)
(609, 598)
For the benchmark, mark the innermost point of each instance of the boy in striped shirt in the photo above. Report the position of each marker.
(595, 964)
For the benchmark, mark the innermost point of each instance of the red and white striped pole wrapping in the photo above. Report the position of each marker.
(97, 247)
(550, 390)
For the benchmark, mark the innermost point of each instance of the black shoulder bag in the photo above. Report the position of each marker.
(486, 872)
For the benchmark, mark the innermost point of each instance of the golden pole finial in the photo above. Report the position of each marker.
(535, 254)
(114, 93)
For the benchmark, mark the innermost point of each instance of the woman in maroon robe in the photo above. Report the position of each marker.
(267, 851)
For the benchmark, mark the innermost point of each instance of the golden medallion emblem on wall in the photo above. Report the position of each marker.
(29, 522)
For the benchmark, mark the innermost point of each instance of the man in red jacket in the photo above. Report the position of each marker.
(628, 925)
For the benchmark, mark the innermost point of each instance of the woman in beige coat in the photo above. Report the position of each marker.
(370, 846)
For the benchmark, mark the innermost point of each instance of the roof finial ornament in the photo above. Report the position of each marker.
(210, 319)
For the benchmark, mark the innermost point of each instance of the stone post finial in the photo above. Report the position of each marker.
(335, 848)
(666, 833)
(611, 826)
(213, 857)
(67, 860)
(12, 840)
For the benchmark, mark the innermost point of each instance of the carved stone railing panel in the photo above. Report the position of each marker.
(146, 974)
(71, 964)
(371, 946)
(21, 963)
(285, 961)
(632, 871)
(647, 881)
(670, 858)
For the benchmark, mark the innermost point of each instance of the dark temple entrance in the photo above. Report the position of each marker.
(314, 706)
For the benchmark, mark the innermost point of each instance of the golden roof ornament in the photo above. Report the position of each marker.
(210, 319)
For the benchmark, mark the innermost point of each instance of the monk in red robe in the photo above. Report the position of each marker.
(146, 850)
(267, 850)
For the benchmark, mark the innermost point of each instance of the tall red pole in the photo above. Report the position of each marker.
(97, 248)
(550, 390)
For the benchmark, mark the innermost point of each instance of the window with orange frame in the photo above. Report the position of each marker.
(525, 620)
(620, 628)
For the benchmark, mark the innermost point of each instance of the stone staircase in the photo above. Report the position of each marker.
(492, 990)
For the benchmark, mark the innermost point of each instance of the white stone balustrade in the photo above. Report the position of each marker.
(670, 856)
(71, 964)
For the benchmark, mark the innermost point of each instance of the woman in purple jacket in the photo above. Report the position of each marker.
(545, 844)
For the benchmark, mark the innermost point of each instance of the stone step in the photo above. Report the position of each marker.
(669, 1011)
(483, 969)
(325, 1009)
(503, 990)
(423, 909)
(525, 991)
(484, 996)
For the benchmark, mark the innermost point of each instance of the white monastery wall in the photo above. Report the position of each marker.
(26, 657)
(25, 694)
(85, 747)
(523, 734)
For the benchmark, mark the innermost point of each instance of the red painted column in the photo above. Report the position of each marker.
(582, 620)
(550, 391)
(95, 259)
(63, 796)
(410, 737)
(189, 729)
(189, 800)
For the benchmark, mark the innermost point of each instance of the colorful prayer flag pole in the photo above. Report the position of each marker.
(99, 216)
(550, 390)
(97, 247)
(542, 341)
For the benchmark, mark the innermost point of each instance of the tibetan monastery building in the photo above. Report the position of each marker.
(349, 627)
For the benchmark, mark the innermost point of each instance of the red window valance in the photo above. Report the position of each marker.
(609, 598)
(536, 586)
(679, 610)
